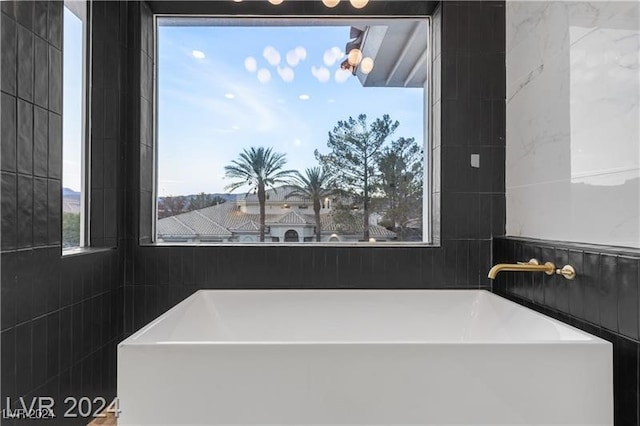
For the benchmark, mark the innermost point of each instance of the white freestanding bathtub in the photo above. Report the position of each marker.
(359, 357)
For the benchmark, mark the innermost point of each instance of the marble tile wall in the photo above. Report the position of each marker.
(573, 127)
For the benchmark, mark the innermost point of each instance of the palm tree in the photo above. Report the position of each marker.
(258, 168)
(316, 185)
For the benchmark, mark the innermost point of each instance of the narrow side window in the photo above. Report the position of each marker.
(74, 124)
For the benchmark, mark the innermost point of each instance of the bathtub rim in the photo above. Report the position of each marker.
(132, 340)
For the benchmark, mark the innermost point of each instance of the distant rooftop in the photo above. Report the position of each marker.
(227, 221)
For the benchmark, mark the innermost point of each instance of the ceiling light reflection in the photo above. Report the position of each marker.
(359, 4)
(366, 66)
(354, 57)
(331, 3)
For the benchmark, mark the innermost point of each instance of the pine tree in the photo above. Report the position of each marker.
(355, 148)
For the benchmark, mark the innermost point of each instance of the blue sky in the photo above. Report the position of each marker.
(72, 102)
(214, 101)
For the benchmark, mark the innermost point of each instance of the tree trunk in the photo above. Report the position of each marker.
(316, 211)
(365, 219)
(261, 200)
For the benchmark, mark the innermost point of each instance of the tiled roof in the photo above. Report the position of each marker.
(224, 219)
(202, 225)
(173, 226)
(211, 227)
(293, 218)
(278, 195)
(328, 225)
(248, 226)
(191, 223)
(229, 216)
(379, 231)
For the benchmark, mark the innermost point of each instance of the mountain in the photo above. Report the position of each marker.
(224, 196)
(70, 201)
(67, 192)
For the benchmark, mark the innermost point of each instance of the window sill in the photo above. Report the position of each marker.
(381, 244)
(79, 251)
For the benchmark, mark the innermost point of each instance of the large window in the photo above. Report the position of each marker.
(276, 130)
(73, 124)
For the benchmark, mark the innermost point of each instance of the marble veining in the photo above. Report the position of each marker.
(533, 74)
(573, 127)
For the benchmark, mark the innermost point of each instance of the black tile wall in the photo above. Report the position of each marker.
(9, 210)
(25, 137)
(23, 356)
(54, 158)
(54, 24)
(603, 300)
(47, 348)
(629, 280)
(8, 53)
(106, 116)
(25, 63)
(55, 80)
(8, 128)
(41, 83)
(54, 213)
(25, 211)
(8, 8)
(40, 142)
(40, 211)
(24, 14)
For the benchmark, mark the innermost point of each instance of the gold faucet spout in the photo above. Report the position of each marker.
(532, 266)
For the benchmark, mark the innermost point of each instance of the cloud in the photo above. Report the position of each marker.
(301, 52)
(198, 54)
(271, 55)
(286, 74)
(251, 64)
(229, 95)
(332, 55)
(292, 58)
(296, 55)
(321, 73)
(297, 142)
(264, 76)
(304, 97)
(342, 75)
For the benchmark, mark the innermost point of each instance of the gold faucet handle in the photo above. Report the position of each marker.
(530, 262)
(567, 271)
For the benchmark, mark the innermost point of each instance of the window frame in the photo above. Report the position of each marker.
(429, 239)
(85, 168)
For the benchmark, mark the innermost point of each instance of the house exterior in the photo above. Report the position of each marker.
(287, 218)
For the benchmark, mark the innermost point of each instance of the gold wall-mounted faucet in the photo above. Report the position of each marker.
(533, 265)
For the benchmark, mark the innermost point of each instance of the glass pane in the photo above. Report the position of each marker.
(73, 124)
(281, 132)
